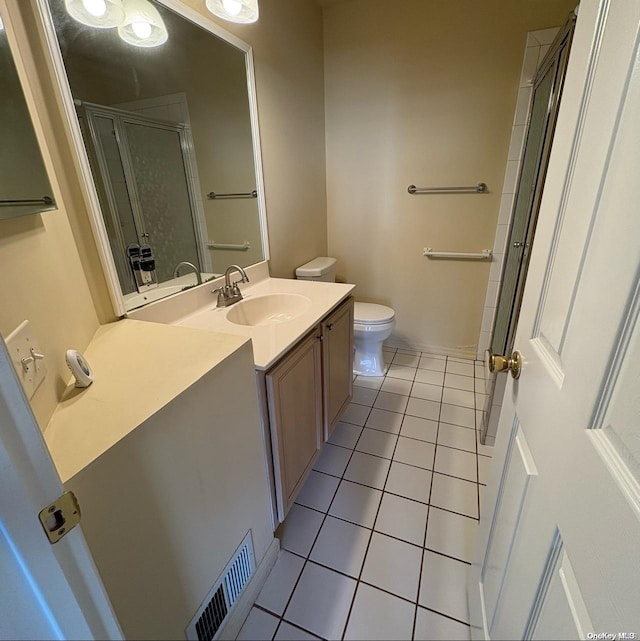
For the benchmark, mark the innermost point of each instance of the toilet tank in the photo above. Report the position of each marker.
(322, 268)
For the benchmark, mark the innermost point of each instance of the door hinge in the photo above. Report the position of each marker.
(60, 517)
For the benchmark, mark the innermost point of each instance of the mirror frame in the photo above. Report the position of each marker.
(86, 177)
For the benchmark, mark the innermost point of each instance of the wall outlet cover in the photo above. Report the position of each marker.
(26, 357)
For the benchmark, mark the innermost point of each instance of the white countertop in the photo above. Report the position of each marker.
(138, 368)
(271, 340)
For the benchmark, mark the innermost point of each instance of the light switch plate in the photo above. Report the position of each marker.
(22, 344)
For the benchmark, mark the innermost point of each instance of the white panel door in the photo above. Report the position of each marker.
(47, 591)
(558, 554)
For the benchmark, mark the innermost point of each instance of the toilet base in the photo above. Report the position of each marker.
(369, 361)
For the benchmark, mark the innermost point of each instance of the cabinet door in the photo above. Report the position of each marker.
(295, 412)
(337, 383)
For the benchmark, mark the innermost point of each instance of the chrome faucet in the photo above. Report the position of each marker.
(230, 293)
(192, 267)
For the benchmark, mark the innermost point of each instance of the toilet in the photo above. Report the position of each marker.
(372, 323)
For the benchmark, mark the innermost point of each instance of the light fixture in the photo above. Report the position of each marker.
(104, 14)
(241, 11)
(142, 25)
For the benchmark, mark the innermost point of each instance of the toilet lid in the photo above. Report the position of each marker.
(372, 314)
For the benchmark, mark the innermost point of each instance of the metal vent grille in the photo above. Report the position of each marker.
(227, 589)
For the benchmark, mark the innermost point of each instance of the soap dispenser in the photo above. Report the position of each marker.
(143, 266)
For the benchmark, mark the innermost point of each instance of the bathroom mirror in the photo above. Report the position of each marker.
(24, 183)
(168, 137)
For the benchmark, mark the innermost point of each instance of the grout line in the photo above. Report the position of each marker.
(426, 529)
(366, 553)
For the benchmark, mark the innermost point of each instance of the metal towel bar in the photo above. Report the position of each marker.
(47, 200)
(480, 188)
(486, 254)
(212, 195)
(243, 247)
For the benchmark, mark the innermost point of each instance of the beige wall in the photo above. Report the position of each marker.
(423, 94)
(43, 279)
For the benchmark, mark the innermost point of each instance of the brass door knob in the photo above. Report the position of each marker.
(499, 363)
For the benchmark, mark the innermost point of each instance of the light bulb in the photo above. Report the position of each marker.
(96, 8)
(232, 7)
(142, 29)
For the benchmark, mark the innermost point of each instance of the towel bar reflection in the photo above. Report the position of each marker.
(238, 247)
(480, 188)
(485, 254)
(212, 195)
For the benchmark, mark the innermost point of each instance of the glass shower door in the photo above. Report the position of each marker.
(547, 91)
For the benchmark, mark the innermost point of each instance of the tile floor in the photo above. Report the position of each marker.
(378, 543)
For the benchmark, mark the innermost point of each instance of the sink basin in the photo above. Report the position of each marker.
(269, 309)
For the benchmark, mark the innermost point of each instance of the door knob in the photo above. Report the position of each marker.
(499, 363)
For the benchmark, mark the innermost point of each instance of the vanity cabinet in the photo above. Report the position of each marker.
(294, 393)
(304, 395)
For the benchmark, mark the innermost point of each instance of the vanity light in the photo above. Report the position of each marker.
(241, 11)
(142, 25)
(104, 14)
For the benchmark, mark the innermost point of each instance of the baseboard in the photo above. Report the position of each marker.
(244, 604)
(457, 352)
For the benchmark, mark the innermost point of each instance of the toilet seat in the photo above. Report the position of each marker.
(372, 314)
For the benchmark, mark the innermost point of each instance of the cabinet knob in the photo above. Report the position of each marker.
(320, 337)
(329, 326)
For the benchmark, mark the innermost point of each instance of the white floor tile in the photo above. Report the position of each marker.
(258, 626)
(321, 601)
(455, 495)
(420, 428)
(433, 363)
(481, 400)
(402, 518)
(333, 460)
(433, 627)
(377, 615)
(299, 529)
(318, 491)
(484, 469)
(372, 382)
(410, 360)
(482, 495)
(485, 450)
(464, 369)
(414, 452)
(456, 463)
(397, 386)
(462, 438)
(423, 409)
(440, 357)
(368, 470)
(400, 371)
(463, 416)
(406, 350)
(459, 382)
(444, 586)
(288, 632)
(376, 443)
(427, 392)
(345, 435)
(459, 397)
(364, 395)
(356, 414)
(407, 480)
(393, 566)
(341, 546)
(356, 503)
(279, 585)
(429, 376)
(451, 534)
(391, 402)
(479, 371)
(385, 420)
